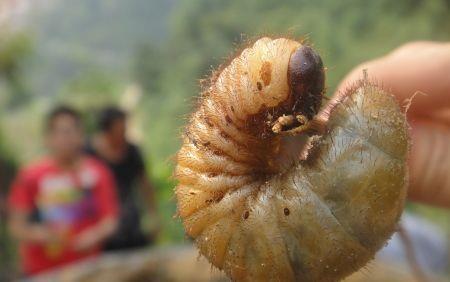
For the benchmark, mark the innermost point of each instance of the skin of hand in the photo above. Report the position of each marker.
(93, 236)
(39, 233)
(422, 70)
(22, 230)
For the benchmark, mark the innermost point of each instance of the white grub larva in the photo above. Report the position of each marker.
(274, 189)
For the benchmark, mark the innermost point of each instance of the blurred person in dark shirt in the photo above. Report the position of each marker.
(63, 206)
(127, 165)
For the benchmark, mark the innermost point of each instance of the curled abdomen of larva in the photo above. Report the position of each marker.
(274, 189)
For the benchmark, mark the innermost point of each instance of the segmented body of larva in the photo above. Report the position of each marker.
(271, 189)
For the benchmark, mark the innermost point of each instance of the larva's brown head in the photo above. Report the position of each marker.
(306, 79)
(306, 83)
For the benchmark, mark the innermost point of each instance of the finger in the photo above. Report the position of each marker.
(441, 116)
(429, 164)
(418, 66)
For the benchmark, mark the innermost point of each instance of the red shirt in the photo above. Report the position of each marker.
(69, 201)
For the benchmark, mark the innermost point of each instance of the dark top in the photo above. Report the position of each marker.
(126, 173)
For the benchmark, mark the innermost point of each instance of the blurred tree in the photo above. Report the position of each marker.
(8, 167)
(74, 36)
(148, 66)
(14, 49)
(89, 92)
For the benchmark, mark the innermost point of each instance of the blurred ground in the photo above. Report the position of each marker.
(183, 264)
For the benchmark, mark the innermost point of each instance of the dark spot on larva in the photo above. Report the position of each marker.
(209, 201)
(246, 214)
(259, 85)
(306, 80)
(218, 152)
(228, 119)
(232, 109)
(286, 211)
(218, 198)
(194, 142)
(212, 174)
(191, 193)
(206, 144)
(224, 135)
(266, 73)
(208, 121)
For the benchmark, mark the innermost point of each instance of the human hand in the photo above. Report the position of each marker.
(423, 68)
(43, 234)
(86, 240)
(92, 237)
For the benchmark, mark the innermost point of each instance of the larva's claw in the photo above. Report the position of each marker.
(288, 125)
(283, 123)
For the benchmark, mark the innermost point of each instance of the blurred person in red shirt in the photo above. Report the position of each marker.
(64, 206)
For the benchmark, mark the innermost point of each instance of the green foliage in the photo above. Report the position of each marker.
(87, 52)
(73, 37)
(148, 66)
(89, 92)
(14, 48)
(8, 167)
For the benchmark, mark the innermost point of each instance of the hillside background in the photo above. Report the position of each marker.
(148, 57)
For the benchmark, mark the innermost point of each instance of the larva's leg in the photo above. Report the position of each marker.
(282, 123)
(288, 124)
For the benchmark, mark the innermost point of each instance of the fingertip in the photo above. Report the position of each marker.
(421, 66)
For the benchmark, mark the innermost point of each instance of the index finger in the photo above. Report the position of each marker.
(418, 66)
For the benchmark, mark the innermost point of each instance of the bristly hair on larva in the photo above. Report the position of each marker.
(275, 186)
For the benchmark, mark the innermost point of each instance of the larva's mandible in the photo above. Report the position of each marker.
(269, 196)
